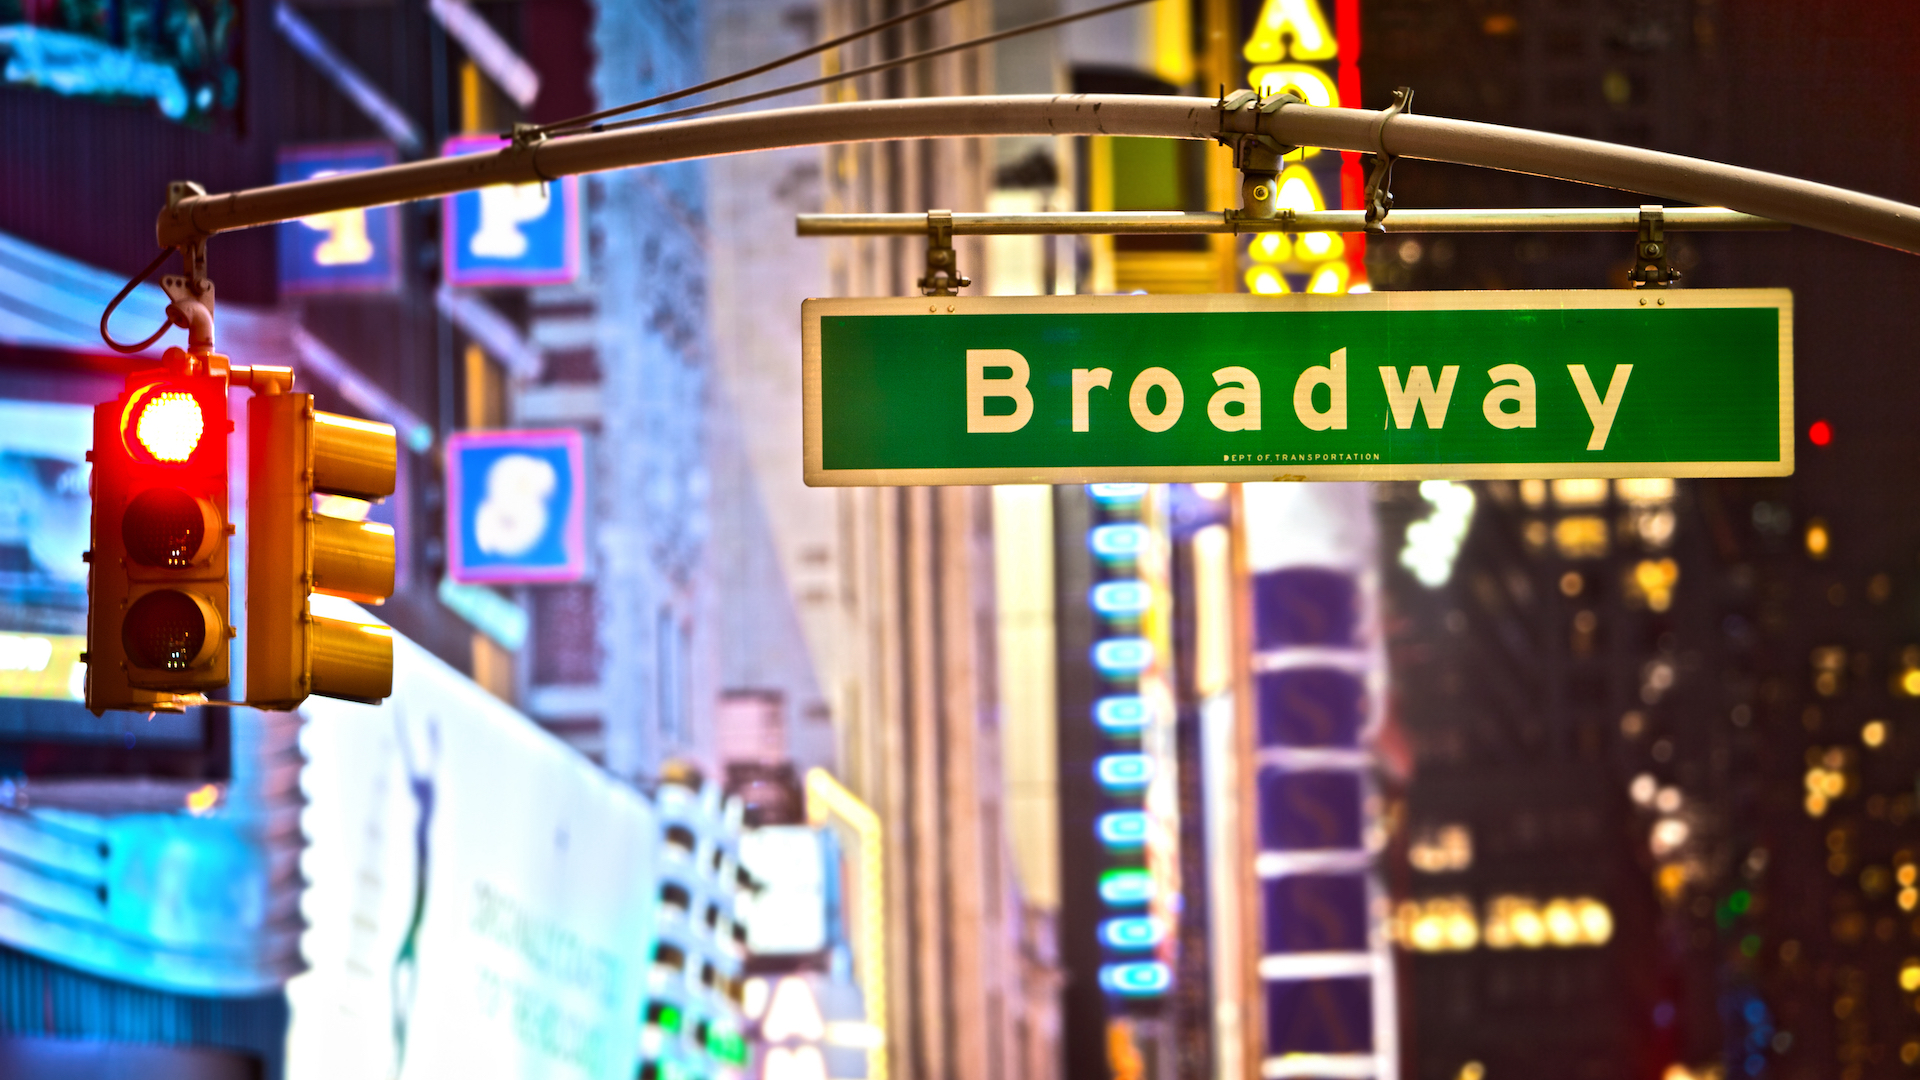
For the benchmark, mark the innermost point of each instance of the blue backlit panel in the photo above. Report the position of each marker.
(343, 251)
(1310, 811)
(1305, 606)
(1310, 707)
(1320, 1016)
(181, 55)
(510, 234)
(516, 506)
(1315, 913)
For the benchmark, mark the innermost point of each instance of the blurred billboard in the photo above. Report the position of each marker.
(481, 900)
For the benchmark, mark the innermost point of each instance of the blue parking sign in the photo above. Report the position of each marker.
(510, 234)
(516, 506)
(345, 250)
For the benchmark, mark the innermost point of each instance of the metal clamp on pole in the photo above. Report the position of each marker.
(1651, 267)
(191, 294)
(194, 253)
(1379, 196)
(1256, 155)
(943, 267)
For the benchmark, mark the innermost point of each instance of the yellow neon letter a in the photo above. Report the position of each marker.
(1312, 38)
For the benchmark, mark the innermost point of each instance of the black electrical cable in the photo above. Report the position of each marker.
(813, 50)
(107, 314)
(1044, 24)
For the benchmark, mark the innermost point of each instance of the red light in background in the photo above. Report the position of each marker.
(1820, 433)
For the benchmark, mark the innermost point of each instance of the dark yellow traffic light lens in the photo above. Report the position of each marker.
(169, 426)
(169, 630)
(167, 527)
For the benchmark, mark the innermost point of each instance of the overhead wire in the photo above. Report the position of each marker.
(714, 84)
(870, 69)
(122, 295)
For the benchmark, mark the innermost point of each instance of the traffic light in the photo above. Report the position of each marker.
(293, 453)
(157, 583)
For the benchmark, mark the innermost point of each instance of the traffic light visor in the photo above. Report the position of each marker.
(353, 457)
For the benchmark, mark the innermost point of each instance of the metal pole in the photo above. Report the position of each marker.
(1677, 219)
(1670, 177)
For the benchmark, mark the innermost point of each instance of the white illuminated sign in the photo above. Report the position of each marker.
(504, 208)
(788, 915)
(481, 898)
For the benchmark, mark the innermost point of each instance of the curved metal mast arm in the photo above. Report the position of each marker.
(1667, 176)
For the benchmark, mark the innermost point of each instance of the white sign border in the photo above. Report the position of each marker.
(817, 475)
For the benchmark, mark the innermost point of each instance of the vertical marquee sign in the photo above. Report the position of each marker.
(1119, 804)
(1322, 995)
(1293, 47)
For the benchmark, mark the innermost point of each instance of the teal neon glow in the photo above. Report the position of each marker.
(1121, 598)
(1124, 772)
(1122, 714)
(1116, 542)
(1123, 828)
(1132, 932)
(1123, 656)
(1126, 887)
(1140, 979)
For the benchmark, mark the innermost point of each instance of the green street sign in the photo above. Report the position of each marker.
(1380, 386)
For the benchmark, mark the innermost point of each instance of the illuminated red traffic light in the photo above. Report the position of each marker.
(166, 424)
(170, 426)
(157, 591)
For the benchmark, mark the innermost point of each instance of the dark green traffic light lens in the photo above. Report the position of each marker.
(167, 630)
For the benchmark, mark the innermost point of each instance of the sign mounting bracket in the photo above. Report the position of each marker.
(1257, 156)
(1379, 198)
(943, 264)
(1652, 269)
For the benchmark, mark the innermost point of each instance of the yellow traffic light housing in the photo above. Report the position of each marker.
(157, 585)
(295, 452)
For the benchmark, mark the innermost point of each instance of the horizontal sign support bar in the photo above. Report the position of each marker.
(1571, 219)
(1381, 386)
(1668, 177)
